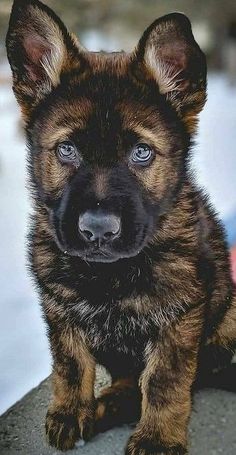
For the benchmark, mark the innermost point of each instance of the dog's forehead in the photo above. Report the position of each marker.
(104, 103)
(106, 110)
(117, 63)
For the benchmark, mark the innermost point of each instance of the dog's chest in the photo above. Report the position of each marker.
(113, 327)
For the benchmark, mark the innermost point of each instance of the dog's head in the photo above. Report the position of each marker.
(108, 134)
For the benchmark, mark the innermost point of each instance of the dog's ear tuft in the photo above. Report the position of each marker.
(169, 54)
(39, 49)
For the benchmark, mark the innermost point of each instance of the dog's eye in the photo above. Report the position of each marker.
(141, 154)
(67, 151)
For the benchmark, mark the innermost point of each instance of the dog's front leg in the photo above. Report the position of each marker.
(166, 392)
(71, 413)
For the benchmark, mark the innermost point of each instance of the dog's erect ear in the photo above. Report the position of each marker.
(169, 54)
(39, 50)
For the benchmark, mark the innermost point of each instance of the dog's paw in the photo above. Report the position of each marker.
(86, 424)
(116, 407)
(144, 446)
(62, 430)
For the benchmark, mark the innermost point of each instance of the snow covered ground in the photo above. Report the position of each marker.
(24, 353)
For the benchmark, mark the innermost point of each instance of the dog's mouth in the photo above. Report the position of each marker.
(123, 243)
(102, 253)
(97, 254)
(101, 256)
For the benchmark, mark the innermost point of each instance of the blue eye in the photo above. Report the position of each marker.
(67, 151)
(142, 154)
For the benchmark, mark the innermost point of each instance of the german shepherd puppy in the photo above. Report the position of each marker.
(130, 260)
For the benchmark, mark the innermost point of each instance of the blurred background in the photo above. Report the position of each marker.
(108, 25)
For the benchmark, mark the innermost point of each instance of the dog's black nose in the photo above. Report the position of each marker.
(99, 227)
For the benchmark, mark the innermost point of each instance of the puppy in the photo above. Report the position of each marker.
(130, 259)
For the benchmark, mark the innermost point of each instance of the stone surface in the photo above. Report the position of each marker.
(212, 427)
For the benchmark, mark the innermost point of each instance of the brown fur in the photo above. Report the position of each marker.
(154, 315)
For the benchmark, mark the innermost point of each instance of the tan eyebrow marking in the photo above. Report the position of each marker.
(158, 139)
(56, 136)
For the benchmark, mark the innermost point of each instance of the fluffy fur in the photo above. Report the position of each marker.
(155, 306)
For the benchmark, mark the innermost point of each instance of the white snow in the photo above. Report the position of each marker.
(215, 155)
(24, 355)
